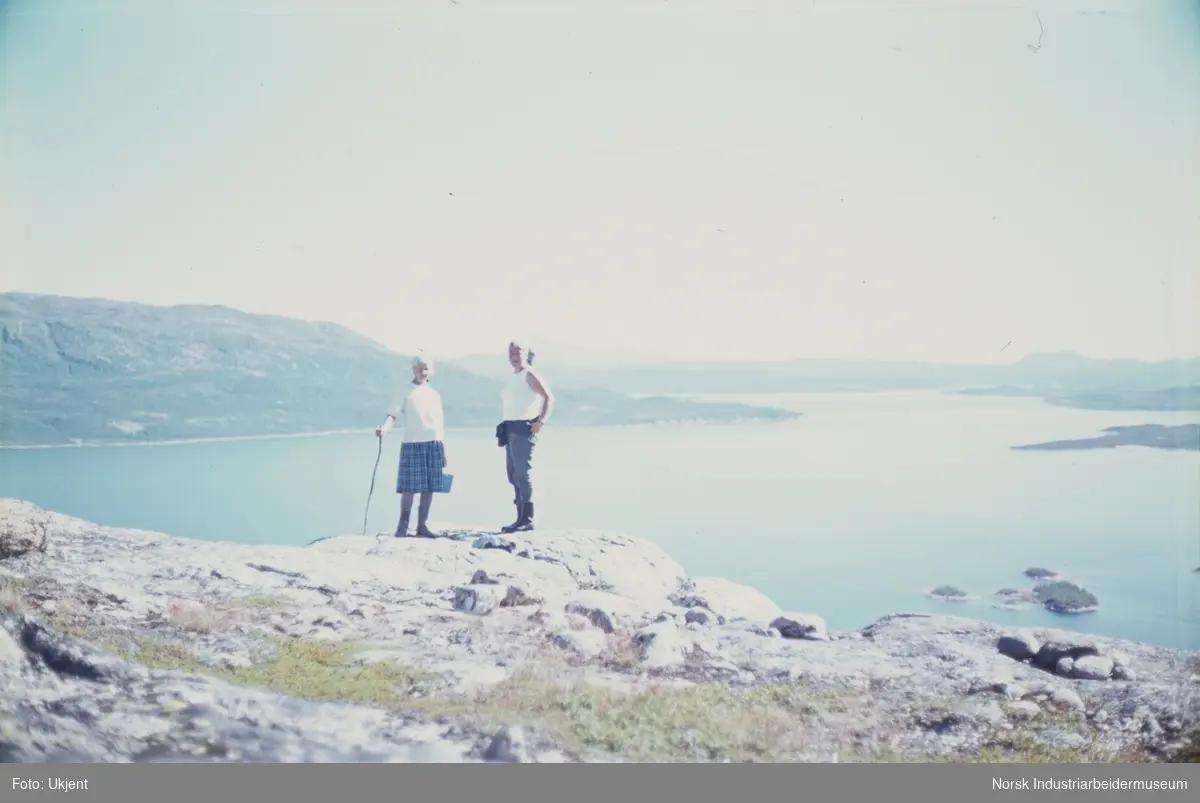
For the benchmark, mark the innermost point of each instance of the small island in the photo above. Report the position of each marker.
(948, 594)
(1038, 573)
(1013, 596)
(1060, 596)
(1182, 437)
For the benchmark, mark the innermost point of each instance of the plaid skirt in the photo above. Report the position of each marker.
(421, 467)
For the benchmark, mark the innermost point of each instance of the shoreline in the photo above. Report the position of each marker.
(22, 447)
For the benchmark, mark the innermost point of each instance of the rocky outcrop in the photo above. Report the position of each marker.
(66, 701)
(567, 645)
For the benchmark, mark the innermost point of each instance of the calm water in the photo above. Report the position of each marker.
(851, 512)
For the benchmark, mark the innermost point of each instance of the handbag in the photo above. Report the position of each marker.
(445, 483)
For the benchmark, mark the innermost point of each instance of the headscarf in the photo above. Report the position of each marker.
(519, 343)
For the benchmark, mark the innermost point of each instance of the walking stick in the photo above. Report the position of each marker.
(371, 492)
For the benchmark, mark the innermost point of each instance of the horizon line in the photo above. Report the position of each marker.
(658, 361)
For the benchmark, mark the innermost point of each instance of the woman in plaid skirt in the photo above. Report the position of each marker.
(422, 453)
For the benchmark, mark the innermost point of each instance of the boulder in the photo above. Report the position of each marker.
(1018, 646)
(801, 626)
(727, 599)
(1051, 652)
(478, 599)
(1093, 667)
(660, 645)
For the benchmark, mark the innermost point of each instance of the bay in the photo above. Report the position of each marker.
(852, 511)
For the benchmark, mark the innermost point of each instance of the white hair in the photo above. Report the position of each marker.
(422, 359)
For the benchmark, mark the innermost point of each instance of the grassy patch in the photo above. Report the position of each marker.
(1025, 748)
(306, 669)
(709, 722)
(196, 618)
(694, 723)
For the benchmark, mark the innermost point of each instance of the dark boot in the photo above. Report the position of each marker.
(516, 525)
(402, 527)
(525, 523)
(423, 516)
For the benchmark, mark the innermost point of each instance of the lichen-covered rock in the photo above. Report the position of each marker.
(23, 529)
(66, 701)
(588, 609)
(1093, 667)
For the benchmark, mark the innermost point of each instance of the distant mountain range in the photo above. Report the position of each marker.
(93, 370)
(1063, 379)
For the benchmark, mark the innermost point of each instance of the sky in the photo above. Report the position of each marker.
(699, 180)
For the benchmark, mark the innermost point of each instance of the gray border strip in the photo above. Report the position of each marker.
(595, 783)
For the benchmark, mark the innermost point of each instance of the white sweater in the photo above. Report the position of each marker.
(420, 414)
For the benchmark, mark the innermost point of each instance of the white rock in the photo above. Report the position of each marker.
(479, 600)
(1093, 667)
(660, 645)
(10, 652)
(1025, 709)
(734, 600)
(1018, 646)
(585, 643)
(1067, 698)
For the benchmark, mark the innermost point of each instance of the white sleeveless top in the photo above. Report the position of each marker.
(519, 401)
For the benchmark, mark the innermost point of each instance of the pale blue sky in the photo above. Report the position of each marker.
(698, 179)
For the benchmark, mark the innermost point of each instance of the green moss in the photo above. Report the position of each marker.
(695, 723)
(304, 669)
(1018, 747)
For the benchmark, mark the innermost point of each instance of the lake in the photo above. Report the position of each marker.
(851, 512)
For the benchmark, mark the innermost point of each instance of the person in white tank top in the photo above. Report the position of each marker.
(526, 403)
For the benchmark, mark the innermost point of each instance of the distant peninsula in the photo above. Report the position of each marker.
(92, 371)
(1184, 397)
(1060, 379)
(1184, 437)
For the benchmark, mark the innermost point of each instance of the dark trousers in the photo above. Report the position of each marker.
(518, 457)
